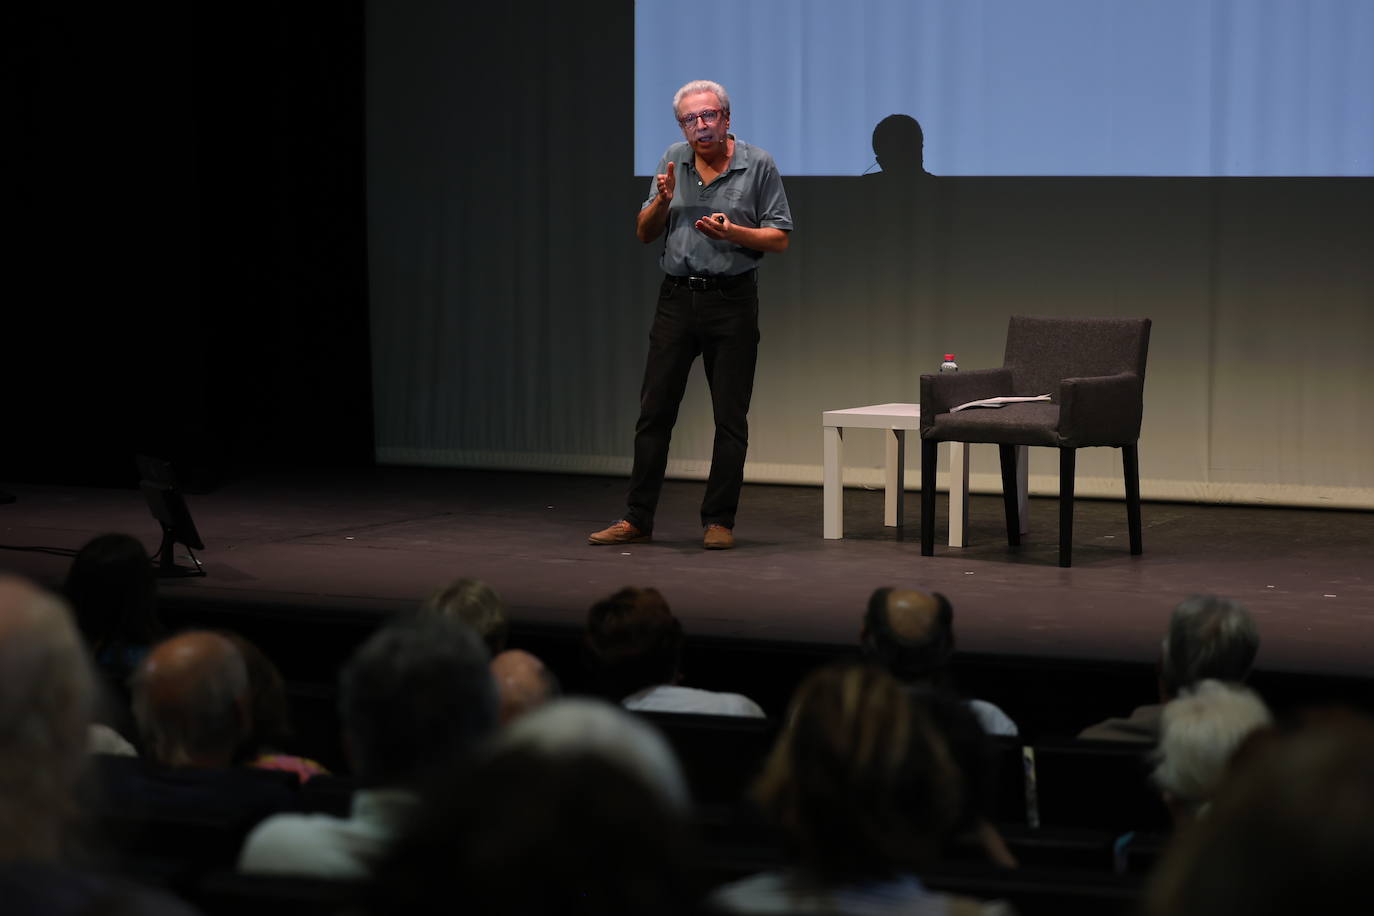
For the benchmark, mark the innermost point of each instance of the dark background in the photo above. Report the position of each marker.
(188, 254)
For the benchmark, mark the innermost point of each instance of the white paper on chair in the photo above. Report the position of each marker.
(998, 402)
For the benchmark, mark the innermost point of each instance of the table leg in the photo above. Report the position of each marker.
(832, 498)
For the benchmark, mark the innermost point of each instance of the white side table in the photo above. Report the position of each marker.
(897, 419)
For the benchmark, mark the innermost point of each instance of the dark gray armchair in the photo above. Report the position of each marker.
(1093, 368)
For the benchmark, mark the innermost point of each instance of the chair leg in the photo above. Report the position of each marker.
(1067, 458)
(1010, 494)
(929, 455)
(1130, 464)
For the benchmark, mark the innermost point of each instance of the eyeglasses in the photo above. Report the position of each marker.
(709, 115)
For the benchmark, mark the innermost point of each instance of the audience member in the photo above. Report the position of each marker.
(1290, 830)
(635, 646)
(911, 634)
(112, 589)
(523, 681)
(270, 733)
(113, 593)
(476, 604)
(47, 689)
(192, 702)
(193, 707)
(974, 756)
(578, 808)
(1199, 732)
(866, 791)
(584, 725)
(1208, 637)
(415, 699)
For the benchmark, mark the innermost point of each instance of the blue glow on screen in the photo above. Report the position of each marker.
(1027, 87)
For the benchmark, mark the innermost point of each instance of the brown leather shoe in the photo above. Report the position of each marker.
(622, 532)
(718, 537)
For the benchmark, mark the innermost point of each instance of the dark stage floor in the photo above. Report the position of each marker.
(377, 540)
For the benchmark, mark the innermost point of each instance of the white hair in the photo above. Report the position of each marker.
(696, 86)
(47, 690)
(582, 725)
(1199, 732)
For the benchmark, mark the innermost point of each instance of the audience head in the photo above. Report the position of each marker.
(909, 633)
(1209, 637)
(476, 604)
(523, 682)
(415, 697)
(1200, 730)
(860, 779)
(633, 641)
(191, 700)
(575, 726)
(113, 593)
(524, 830)
(46, 695)
(269, 712)
(1291, 830)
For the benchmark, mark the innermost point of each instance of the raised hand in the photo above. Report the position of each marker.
(667, 183)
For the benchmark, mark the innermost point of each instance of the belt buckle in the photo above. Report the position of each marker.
(698, 282)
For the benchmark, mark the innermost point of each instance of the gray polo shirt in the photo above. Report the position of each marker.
(749, 193)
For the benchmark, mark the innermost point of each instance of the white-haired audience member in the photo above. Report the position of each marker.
(1200, 731)
(47, 692)
(577, 807)
(1208, 637)
(583, 725)
(634, 644)
(1290, 830)
(524, 682)
(415, 698)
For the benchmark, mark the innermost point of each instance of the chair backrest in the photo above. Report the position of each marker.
(1103, 785)
(720, 755)
(1041, 351)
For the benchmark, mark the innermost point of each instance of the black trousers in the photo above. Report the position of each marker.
(722, 326)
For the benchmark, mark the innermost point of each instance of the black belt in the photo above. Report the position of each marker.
(725, 281)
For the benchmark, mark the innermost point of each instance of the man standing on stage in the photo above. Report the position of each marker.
(719, 204)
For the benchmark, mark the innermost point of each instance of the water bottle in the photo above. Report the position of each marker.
(949, 365)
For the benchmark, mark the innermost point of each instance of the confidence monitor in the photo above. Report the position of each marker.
(169, 508)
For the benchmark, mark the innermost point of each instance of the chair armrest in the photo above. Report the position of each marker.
(950, 389)
(1101, 410)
